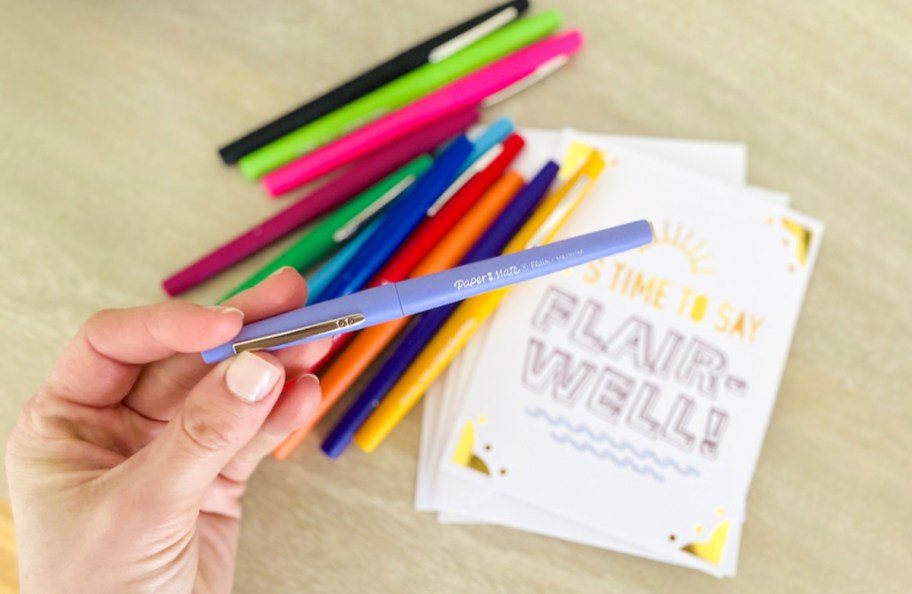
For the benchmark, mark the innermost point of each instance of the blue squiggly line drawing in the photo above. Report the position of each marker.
(644, 454)
(606, 455)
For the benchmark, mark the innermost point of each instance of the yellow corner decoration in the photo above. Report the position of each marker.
(710, 550)
(464, 456)
(802, 238)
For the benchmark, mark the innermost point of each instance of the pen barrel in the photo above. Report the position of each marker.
(434, 290)
(377, 305)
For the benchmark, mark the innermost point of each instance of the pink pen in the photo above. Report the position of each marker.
(484, 87)
(363, 174)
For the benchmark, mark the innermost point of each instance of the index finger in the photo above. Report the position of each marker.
(99, 366)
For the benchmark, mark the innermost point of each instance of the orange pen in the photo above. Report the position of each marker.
(369, 343)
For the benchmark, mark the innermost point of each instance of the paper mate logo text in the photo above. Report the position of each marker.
(490, 277)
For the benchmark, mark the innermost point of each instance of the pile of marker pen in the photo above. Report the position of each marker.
(415, 196)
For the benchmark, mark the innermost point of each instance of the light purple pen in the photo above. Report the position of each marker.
(388, 302)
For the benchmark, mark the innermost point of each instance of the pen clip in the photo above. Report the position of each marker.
(560, 211)
(482, 29)
(296, 334)
(480, 164)
(527, 81)
(349, 228)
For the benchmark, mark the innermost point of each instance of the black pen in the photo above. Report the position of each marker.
(433, 50)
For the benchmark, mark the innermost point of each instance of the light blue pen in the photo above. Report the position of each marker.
(415, 295)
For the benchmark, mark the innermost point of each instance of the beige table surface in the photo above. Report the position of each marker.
(110, 113)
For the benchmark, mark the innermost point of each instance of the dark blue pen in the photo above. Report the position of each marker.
(402, 218)
(426, 325)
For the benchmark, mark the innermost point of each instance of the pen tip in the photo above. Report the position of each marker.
(652, 231)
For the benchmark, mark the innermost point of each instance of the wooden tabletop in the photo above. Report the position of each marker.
(109, 120)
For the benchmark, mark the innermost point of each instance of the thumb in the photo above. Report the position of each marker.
(220, 415)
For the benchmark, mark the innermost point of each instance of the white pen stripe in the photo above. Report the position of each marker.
(557, 215)
(450, 47)
(488, 157)
(480, 163)
(527, 81)
(347, 230)
(450, 191)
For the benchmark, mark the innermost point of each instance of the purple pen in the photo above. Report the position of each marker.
(382, 304)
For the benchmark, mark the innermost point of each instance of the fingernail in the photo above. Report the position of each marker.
(250, 377)
(225, 309)
(309, 377)
(281, 270)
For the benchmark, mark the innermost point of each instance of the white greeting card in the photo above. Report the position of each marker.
(724, 160)
(581, 409)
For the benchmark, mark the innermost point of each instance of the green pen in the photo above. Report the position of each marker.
(341, 224)
(401, 91)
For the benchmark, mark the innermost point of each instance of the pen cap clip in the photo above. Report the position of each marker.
(349, 228)
(527, 81)
(569, 196)
(308, 332)
(480, 164)
(561, 211)
(482, 29)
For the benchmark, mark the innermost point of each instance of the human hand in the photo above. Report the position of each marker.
(127, 467)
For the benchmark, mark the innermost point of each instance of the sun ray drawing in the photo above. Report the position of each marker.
(682, 239)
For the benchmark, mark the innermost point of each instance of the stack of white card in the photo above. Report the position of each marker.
(623, 404)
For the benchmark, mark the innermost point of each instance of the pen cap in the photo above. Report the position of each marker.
(329, 318)
(427, 292)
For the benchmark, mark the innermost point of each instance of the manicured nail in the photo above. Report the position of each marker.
(250, 377)
(225, 310)
(281, 270)
(309, 377)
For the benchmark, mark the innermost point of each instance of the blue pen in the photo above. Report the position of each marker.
(426, 326)
(400, 221)
(427, 195)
